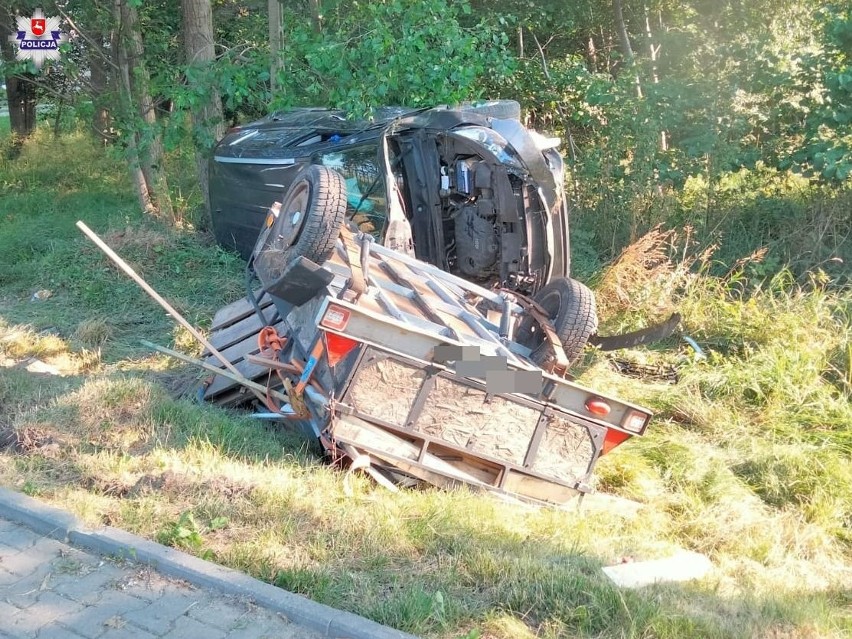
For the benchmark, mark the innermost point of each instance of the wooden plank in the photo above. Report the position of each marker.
(372, 438)
(239, 350)
(537, 488)
(238, 332)
(236, 311)
(249, 370)
(233, 397)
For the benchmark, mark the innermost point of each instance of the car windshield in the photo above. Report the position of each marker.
(366, 196)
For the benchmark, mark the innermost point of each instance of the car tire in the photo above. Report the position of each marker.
(500, 109)
(571, 308)
(307, 225)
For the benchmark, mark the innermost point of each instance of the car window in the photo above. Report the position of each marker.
(366, 195)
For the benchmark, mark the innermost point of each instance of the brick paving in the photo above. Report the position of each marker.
(50, 589)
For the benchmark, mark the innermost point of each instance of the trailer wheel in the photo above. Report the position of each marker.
(571, 308)
(501, 109)
(307, 225)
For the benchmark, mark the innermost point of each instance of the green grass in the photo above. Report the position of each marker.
(748, 459)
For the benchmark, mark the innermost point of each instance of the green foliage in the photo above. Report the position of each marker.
(399, 52)
(186, 533)
(826, 74)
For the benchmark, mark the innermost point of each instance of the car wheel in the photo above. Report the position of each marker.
(307, 225)
(571, 308)
(501, 109)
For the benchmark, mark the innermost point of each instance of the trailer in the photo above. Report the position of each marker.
(397, 365)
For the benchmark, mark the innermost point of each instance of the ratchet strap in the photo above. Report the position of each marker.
(357, 282)
(560, 363)
(271, 344)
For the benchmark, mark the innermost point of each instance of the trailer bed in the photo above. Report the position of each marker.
(369, 374)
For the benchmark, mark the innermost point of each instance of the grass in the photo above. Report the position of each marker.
(747, 461)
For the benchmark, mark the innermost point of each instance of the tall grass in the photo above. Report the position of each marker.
(798, 223)
(764, 420)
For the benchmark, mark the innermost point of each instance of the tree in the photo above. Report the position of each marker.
(274, 41)
(206, 108)
(621, 29)
(144, 143)
(408, 52)
(20, 90)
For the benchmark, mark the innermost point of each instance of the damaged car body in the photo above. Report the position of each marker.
(475, 194)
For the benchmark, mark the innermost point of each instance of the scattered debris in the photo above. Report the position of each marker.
(647, 335)
(41, 295)
(658, 372)
(683, 566)
(34, 365)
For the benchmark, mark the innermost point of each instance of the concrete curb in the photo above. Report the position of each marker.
(58, 524)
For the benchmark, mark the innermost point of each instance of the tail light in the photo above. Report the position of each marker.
(335, 317)
(598, 407)
(635, 421)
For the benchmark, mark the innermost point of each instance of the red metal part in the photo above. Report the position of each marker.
(614, 438)
(338, 347)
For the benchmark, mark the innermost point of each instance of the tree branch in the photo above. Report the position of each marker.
(97, 47)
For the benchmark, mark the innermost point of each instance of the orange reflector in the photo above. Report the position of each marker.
(338, 347)
(335, 318)
(613, 438)
(597, 406)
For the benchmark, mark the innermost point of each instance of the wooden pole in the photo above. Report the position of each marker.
(124, 266)
(240, 379)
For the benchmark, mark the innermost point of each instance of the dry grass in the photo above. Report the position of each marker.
(139, 240)
(20, 342)
(94, 333)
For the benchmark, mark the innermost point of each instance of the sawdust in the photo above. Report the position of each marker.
(565, 451)
(459, 415)
(385, 389)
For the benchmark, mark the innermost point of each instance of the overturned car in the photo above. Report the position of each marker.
(467, 189)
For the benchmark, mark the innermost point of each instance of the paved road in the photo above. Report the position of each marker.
(50, 589)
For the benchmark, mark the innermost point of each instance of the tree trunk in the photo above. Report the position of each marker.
(593, 54)
(624, 40)
(150, 153)
(21, 96)
(207, 113)
(274, 43)
(621, 30)
(655, 55)
(316, 15)
(99, 82)
(126, 102)
(20, 93)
